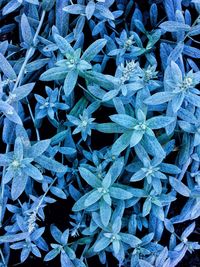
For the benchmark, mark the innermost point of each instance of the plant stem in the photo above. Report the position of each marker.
(2, 189)
(29, 51)
(84, 89)
(184, 169)
(196, 20)
(33, 215)
(195, 41)
(18, 80)
(2, 257)
(32, 117)
(41, 200)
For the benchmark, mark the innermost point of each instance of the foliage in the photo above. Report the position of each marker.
(99, 110)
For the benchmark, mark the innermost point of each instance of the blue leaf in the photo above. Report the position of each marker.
(89, 177)
(121, 143)
(191, 51)
(63, 45)
(159, 98)
(173, 26)
(70, 82)
(7, 68)
(26, 30)
(89, 10)
(179, 186)
(94, 49)
(75, 9)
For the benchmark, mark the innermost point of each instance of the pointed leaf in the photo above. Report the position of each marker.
(56, 233)
(33, 172)
(39, 148)
(63, 45)
(120, 193)
(18, 185)
(124, 120)
(121, 143)
(51, 255)
(179, 186)
(159, 122)
(50, 164)
(159, 98)
(7, 68)
(174, 26)
(105, 212)
(193, 99)
(13, 237)
(89, 177)
(136, 137)
(93, 49)
(22, 91)
(75, 9)
(70, 81)
(92, 198)
(57, 73)
(26, 30)
(129, 239)
(101, 244)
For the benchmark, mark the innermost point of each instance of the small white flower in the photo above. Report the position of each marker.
(129, 42)
(32, 222)
(84, 123)
(9, 111)
(15, 163)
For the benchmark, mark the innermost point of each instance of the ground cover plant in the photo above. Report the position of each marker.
(100, 133)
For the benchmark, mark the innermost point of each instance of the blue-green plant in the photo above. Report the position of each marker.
(100, 132)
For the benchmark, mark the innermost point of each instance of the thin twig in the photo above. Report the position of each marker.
(29, 51)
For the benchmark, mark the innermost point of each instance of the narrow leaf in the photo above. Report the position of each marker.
(94, 49)
(179, 186)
